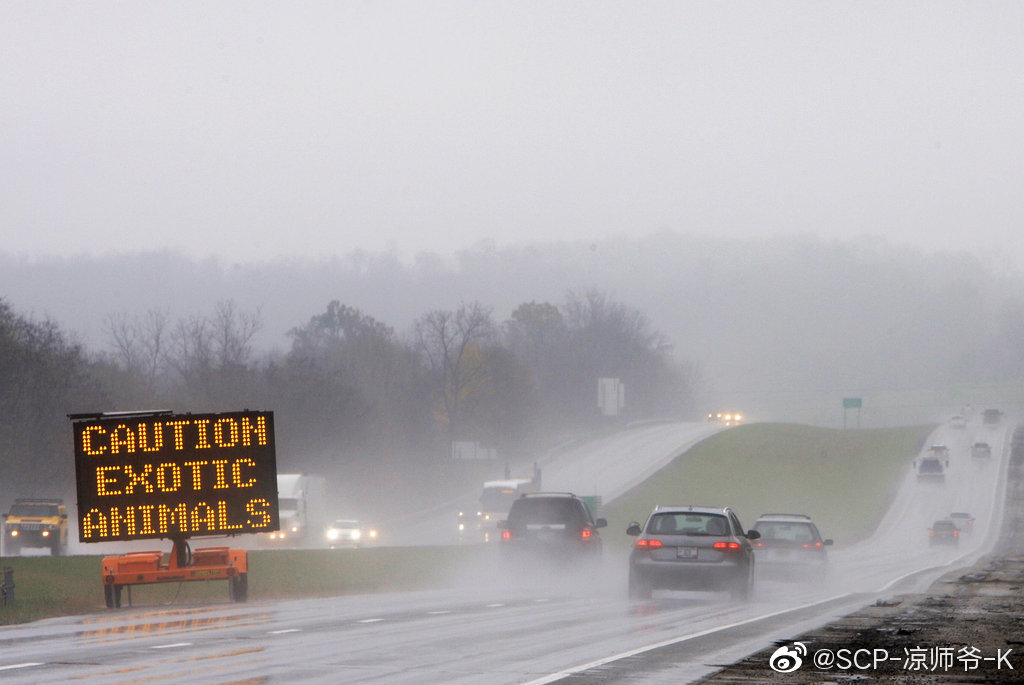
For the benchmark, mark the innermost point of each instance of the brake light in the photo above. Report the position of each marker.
(810, 546)
(956, 533)
(586, 533)
(506, 535)
(727, 546)
(644, 543)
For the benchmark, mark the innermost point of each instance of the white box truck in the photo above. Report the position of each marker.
(302, 507)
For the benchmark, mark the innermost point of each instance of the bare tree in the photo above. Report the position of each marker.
(450, 343)
(140, 344)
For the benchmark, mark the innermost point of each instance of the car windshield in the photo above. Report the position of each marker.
(37, 510)
(346, 524)
(688, 523)
(943, 525)
(931, 466)
(784, 531)
(543, 511)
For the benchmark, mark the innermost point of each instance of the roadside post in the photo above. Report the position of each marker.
(158, 475)
(851, 403)
(7, 586)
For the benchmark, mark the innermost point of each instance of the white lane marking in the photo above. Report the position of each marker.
(370, 620)
(27, 664)
(439, 612)
(285, 630)
(172, 645)
(495, 606)
(542, 599)
(671, 641)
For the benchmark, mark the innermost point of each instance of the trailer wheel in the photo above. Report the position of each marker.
(239, 587)
(112, 596)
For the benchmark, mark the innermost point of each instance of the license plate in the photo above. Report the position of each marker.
(686, 553)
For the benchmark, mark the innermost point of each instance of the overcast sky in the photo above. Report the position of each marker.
(254, 130)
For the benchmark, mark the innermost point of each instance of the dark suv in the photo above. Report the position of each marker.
(691, 548)
(551, 526)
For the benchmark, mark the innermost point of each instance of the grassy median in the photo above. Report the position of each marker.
(844, 479)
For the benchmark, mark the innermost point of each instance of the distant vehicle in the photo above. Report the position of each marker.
(958, 422)
(791, 547)
(725, 418)
(349, 533)
(944, 532)
(36, 523)
(932, 466)
(495, 501)
(302, 507)
(981, 450)
(550, 527)
(991, 416)
(964, 521)
(691, 548)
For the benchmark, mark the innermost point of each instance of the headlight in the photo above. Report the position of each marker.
(332, 534)
(373, 533)
(46, 533)
(295, 529)
(14, 533)
(462, 526)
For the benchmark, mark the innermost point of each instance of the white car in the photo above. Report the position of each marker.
(349, 533)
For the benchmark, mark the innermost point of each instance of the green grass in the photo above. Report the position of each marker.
(58, 586)
(845, 480)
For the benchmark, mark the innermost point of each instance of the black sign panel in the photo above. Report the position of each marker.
(175, 475)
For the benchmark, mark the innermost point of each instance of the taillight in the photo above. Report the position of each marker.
(810, 546)
(956, 533)
(506, 535)
(727, 546)
(644, 543)
(586, 533)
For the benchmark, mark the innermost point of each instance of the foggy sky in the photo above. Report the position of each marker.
(255, 130)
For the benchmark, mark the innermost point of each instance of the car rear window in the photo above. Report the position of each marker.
(799, 533)
(930, 466)
(688, 523)
(547, 511)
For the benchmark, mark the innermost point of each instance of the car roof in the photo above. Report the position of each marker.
(536, 495)
(685, 508)
(792, 517)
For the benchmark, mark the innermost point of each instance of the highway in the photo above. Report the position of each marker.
(491, 628)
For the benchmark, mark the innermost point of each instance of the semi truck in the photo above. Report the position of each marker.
(302, 507)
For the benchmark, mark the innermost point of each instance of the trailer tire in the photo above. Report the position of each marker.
(112, 596)
(239, 587)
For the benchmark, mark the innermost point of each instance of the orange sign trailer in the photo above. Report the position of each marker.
(183, 564)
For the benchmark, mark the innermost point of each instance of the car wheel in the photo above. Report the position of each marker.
(743, 590)
(638, 589)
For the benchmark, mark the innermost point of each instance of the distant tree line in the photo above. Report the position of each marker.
(349, 388)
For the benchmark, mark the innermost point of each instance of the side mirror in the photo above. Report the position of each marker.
(753, 534)
(600, 523)
(634, 529)
(828, 542)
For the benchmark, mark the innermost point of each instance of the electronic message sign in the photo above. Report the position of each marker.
(163, 475)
